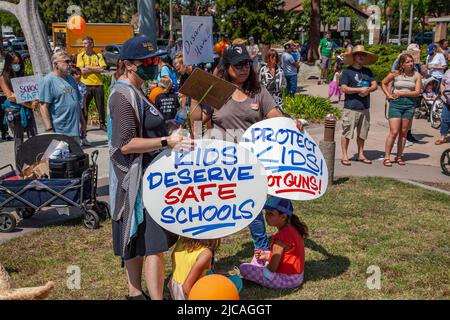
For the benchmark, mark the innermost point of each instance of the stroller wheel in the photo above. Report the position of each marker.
(102, 209)
(91, 219)
(7, 222)
(445, 162)
(25, 213)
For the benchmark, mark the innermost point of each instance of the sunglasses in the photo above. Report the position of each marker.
(242, 65)
(66, 61)
(150, 62)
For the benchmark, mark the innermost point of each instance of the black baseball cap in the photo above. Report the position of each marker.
(138, 48)
(235, 54)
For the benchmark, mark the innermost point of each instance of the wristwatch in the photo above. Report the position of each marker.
(49, 129)
(164, 142)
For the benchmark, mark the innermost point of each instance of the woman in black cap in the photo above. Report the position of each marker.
(249, 104)
(137, 134)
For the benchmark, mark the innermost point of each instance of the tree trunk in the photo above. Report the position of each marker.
(33, 29)
(314, 32)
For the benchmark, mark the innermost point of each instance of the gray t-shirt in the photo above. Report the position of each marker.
(288, 64)
(239, 116)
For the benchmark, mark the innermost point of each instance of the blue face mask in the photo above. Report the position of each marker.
(16, 67)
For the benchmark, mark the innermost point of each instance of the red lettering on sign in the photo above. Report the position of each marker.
(172, 199)
(227, 194)
(200, 193)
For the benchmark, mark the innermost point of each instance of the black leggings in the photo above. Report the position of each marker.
(15, 124)
(97, 93)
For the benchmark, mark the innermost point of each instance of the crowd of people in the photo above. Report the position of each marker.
(145, 109)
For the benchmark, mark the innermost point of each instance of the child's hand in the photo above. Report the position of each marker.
(260, 254)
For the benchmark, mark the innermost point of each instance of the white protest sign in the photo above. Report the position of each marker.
(197, 39)
(294, 164)
(213, 191)
(26, 88)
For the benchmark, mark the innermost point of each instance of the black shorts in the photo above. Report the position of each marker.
(150, 239)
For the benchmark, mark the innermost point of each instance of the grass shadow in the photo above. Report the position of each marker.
(332, 267)
(340, 180)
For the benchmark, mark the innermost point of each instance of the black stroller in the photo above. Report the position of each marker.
(28, 197)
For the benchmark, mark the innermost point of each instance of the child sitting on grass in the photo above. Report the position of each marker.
(286, 259)
(191, 259)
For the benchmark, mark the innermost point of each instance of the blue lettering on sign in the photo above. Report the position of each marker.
(208, 214)
(206, 157)
(303, 158)
(187, 176)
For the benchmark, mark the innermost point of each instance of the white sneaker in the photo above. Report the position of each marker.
(408, 144)
(85, 142)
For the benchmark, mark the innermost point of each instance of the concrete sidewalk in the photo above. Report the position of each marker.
(422, 159)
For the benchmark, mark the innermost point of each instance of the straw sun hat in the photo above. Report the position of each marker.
(370, 57)
(7, 292)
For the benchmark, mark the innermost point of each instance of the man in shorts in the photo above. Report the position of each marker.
(357, 82)
(325, 53)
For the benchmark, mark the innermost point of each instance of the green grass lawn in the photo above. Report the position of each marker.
(360, 222)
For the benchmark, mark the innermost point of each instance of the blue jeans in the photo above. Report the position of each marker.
(291, 84)
(445, 122)
(258, 232)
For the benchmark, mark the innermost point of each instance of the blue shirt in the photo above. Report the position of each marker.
(63, 99)
(165, 71)
(288, 64)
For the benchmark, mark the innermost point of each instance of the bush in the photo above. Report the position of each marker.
(386, 57)
(309, 107)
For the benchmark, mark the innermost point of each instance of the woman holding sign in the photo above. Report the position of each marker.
(19, 117)
(249, 104)
(138, 134)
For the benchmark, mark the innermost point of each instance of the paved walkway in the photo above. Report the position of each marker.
(422, 159)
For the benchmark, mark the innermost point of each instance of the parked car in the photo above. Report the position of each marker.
(111, 54)
(19, 46)
(393, 39)
(22, 49)
(424, 38)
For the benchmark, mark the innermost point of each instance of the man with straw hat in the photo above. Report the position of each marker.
(357, 82)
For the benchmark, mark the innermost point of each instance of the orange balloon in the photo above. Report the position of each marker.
(154, 93)
(214, 287)
(77, 25)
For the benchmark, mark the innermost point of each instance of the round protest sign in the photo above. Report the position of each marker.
(213, 191)
(294, 164)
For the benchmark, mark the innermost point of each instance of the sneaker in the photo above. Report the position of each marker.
(408, 144)
(85, 142)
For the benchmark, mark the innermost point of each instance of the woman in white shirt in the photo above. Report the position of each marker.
(436, 62)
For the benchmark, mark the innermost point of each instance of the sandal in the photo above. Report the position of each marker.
(439, 142)
(387, 162)
(365, 161)
(400, 161)
(346, 162)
